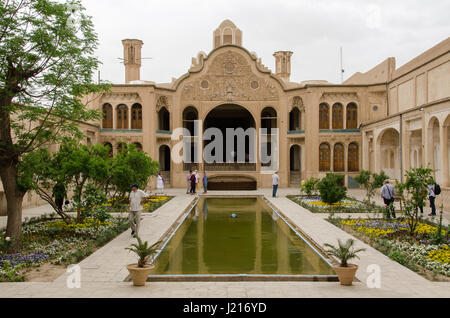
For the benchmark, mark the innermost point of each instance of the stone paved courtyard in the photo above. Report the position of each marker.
(103, 273)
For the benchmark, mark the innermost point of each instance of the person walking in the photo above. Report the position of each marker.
(205, 182)
(193, 184)
(188, 182)
(387, 193)
(275, 183)
(136, 196)
(432, 198)
(160, 183)
(59, 193)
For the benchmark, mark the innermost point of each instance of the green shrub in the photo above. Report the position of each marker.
(332, 188)
(310, 187)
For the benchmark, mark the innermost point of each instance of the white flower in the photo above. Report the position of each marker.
(7, 239)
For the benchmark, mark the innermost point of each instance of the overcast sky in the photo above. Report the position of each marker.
(174, 31)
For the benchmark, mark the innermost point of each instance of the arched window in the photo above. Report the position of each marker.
(338, 116)
(324, 119)
(190, 115)
(122, 117)
(107, 116)
(353, 157)
(269, 119)
(164, 158)
(338, 158)
(227, 36)
(110, 150)
(294, 119)
(324, 157)
(164, 119)
(352, 116)
(136, 116)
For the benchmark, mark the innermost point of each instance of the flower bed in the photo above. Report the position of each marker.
(316, 205)
(50, 240)
(150, 204)
(392, 237)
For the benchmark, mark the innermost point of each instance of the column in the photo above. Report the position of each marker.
(114, 116)
(344, 114)
(443, 133)
(129, 115)
(312, 134)
(332, 157)
(365, 153)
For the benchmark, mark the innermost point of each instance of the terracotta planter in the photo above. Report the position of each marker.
(346, 274)
(139, 274)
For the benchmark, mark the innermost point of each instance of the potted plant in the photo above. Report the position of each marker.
(140, 270)
(344, 252)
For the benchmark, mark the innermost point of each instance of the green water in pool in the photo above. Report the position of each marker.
(256, 241)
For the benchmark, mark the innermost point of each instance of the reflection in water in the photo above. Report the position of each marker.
(256, 242)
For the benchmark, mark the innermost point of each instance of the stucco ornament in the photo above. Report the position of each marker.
(230, 78)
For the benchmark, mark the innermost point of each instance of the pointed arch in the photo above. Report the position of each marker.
(324, 116)
(107, 116)
(338, 116)
(122, 116)
(352, 116)
(338, 157)
(324, 157)
(136, 116)
(353, 157)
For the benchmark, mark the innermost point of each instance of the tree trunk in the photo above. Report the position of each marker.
(14, 198)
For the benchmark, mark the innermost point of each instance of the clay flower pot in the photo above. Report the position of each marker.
(346, 274)
(139, 274)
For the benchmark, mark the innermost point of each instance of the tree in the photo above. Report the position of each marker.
(414, 193)
(131, 166)
(89, 170)
(81, 166)
(46, 67)
(332, 188)
(37, 171)
(371, 182)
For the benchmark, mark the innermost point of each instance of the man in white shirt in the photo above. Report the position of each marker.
(275, 182)
(136, 196)
(432, 197)
(387, 193)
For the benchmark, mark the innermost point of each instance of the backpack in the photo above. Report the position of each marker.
(437, 189)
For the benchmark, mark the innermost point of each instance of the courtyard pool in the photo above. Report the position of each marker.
(238, 239)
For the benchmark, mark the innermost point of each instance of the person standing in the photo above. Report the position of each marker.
(136, 196)
(193, 184)
(205, 182)
(59, 193)
(432, 198)
(197, 180)
(275, 183)
(160, 183)
(387, 193)
(188, 182)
